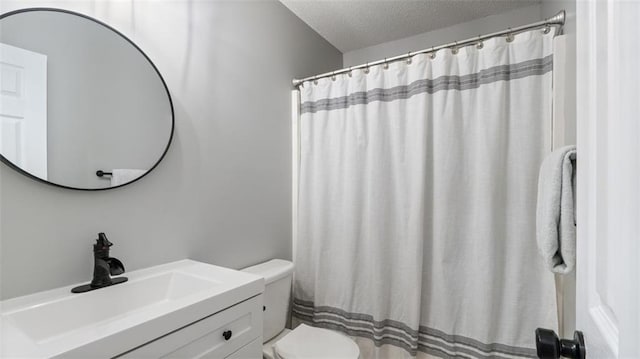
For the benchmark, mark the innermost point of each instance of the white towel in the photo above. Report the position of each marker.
(556, 216)
(122, 176)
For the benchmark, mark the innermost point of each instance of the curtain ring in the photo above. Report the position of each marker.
(454, 49)
(480, 44)
(432, 55)
(366, 69)
(350, 72)
(315, 80)
(386, 64)
(509, 36)
(333, 76)
(409, 58)
(547, 29)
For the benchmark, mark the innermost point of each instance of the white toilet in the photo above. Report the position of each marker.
(303, 342)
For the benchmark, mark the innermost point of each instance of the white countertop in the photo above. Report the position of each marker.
(112, 320)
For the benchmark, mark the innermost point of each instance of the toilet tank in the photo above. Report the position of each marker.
(277, 274)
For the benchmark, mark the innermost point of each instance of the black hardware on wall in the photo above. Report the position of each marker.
(549, 346)
(101, 173)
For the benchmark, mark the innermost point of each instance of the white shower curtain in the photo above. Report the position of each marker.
(416, 213)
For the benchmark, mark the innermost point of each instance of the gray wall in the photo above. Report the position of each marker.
(223, 193)
(550, 8)
(106, 106)
(453, 33)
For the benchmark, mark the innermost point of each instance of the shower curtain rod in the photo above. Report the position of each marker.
(556, 21)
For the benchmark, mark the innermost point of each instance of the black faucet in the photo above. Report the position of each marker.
(103, 268)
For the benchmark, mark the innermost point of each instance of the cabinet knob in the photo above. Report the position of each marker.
(227, 334)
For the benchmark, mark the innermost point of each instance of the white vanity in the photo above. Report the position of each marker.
(184, 309)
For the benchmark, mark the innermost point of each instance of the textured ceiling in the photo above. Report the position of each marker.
(354, 24)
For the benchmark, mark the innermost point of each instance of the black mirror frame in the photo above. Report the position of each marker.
(166, 88)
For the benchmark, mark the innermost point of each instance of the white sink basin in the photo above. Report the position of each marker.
(78, 311)
(112, 320)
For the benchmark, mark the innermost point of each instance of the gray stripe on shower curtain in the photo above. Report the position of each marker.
(392, 332)
(466, 82)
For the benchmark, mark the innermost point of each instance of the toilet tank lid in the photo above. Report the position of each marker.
(272, 270)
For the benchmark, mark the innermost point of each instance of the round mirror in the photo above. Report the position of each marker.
(81, 106)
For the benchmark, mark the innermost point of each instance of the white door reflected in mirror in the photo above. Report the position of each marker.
(23, 109)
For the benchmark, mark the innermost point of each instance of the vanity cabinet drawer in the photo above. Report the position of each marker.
(216, 336)
(252, 350)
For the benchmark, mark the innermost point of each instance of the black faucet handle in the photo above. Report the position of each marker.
(103, 241)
